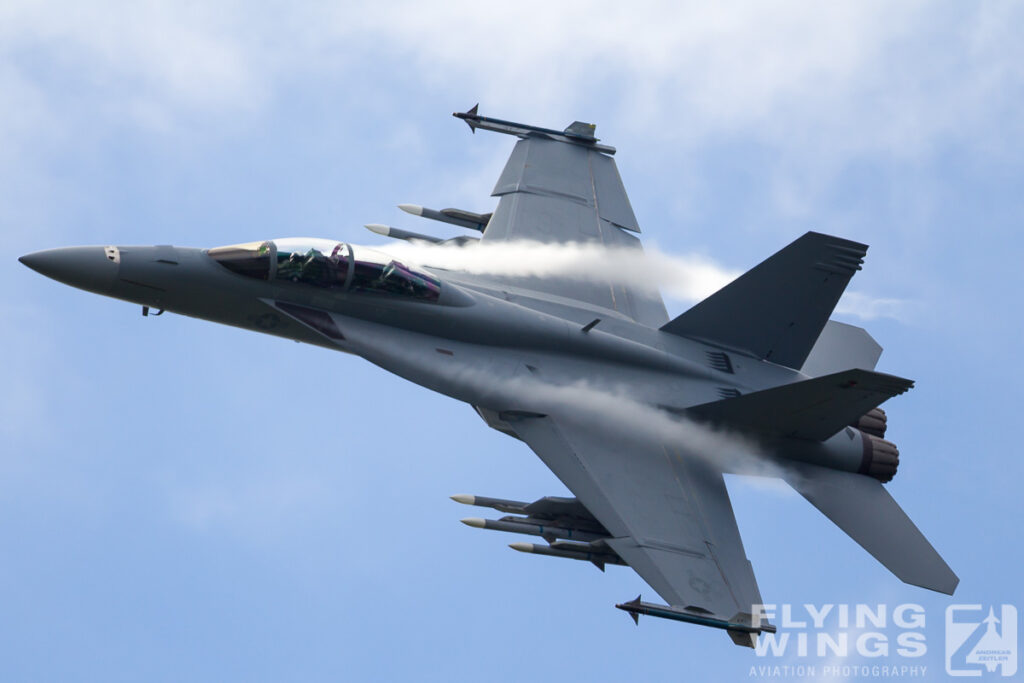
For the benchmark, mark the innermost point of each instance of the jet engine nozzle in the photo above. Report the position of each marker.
(849, 450)
(872, 422)
(881, 458)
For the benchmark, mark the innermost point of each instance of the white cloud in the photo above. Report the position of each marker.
(143, 53)
(850, 76)
(838, 78)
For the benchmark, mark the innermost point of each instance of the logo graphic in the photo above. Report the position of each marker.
(977, 644)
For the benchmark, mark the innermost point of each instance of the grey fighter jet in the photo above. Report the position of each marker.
(640, 416)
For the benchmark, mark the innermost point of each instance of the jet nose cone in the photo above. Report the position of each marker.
(89, 268)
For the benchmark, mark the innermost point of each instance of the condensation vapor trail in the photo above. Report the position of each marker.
(687, 278)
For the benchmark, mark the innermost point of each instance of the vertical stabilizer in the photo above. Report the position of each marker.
(777, 310)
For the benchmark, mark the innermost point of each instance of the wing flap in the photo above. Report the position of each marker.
(812, 409)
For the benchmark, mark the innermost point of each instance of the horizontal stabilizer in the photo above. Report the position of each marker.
(862, 508)
(812, 409)
(776, 310)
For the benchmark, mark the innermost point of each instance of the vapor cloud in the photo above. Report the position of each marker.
(870, 308)
(682, 277)
(618, 413)
(687, 277)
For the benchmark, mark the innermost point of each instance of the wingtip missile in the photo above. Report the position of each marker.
(741, 628)
(577, 133)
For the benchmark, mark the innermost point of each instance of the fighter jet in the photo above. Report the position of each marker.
(638, 415)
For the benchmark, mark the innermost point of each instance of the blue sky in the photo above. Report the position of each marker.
(180, 500)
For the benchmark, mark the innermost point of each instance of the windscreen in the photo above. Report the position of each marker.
(251, 259)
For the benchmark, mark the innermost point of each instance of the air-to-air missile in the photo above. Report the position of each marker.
(533, 527)
(595, 553)
(399, 234)
(741, 627)
(459, 217)
(550, 518)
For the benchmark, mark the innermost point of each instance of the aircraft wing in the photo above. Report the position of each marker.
(561, 187)
(668, 517)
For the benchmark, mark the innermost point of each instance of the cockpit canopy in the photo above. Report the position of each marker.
(329, 265)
